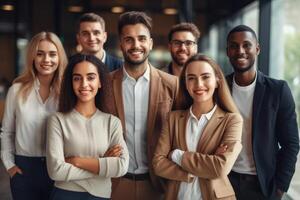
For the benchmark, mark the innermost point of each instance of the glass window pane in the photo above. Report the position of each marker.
(285, 60)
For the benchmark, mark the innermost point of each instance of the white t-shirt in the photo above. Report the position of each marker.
(243, 98)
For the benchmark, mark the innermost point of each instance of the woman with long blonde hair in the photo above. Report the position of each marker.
(30, 100)
(198, 146)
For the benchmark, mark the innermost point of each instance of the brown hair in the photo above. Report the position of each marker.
(189, 27)
(91, 17)
(132, 18)
(222, 96)
(30, 74)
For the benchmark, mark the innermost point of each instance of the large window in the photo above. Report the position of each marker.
(285, 59)
(214, 44)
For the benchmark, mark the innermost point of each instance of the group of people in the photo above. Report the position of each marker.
(95, 127)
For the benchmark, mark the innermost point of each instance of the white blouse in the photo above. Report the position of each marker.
(23, 129)
(194, 130)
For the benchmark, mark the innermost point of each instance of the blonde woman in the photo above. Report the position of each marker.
(198, 146)
(30, 100)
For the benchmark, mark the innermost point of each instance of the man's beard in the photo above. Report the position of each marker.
(174, 58)
(242, 70)
(133, 63)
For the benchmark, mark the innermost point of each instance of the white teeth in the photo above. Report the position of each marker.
(136, 53)
(46, 66)
(84, 92)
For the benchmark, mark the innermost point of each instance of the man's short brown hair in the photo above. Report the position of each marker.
(132, 18)
(91, 17)
(189, 27)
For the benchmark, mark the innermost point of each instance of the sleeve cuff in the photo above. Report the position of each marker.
(177, 156)
(8, 162)
(102, 166)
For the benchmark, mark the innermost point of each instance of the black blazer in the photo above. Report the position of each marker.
(112, 63)
(275, 138)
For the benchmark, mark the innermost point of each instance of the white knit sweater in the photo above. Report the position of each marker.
(74, 135)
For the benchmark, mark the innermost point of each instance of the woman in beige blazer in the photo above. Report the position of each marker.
(198, 146)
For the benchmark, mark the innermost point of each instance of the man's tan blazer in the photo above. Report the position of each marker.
(211, 169)
(163, 91)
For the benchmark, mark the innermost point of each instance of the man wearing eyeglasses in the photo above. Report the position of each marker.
(183, 40)
(91, 37)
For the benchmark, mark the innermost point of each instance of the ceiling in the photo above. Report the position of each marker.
(205, 12)
(202, 12)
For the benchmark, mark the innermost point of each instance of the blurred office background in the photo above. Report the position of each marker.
(275, 21)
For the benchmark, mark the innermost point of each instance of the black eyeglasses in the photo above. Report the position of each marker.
(178, 43)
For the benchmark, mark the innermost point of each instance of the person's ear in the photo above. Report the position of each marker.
(257, 49)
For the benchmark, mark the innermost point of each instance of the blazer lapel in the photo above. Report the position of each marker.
(209, 129)
(117, 87)
(155, 84)
(182, 123)
(257, 99)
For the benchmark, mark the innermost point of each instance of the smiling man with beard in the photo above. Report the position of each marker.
(144, 96)
(270, 140)
(183, 39)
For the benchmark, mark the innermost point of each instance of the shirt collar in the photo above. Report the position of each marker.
(206, 115)
(248, 86)
(104, 56)
(36, 85)
(146, 75)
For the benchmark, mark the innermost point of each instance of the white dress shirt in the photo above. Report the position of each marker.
(136, 98)
(23, 129)
(194, 129)
(104, 56)
(243, 98)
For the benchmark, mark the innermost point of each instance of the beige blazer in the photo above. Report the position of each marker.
(163, 91)
(212, 170)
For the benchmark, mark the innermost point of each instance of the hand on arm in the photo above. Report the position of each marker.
(115, 161)
(114, 151)
(176, 155)
(221, 149)
(92, 164)
(219, 163)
